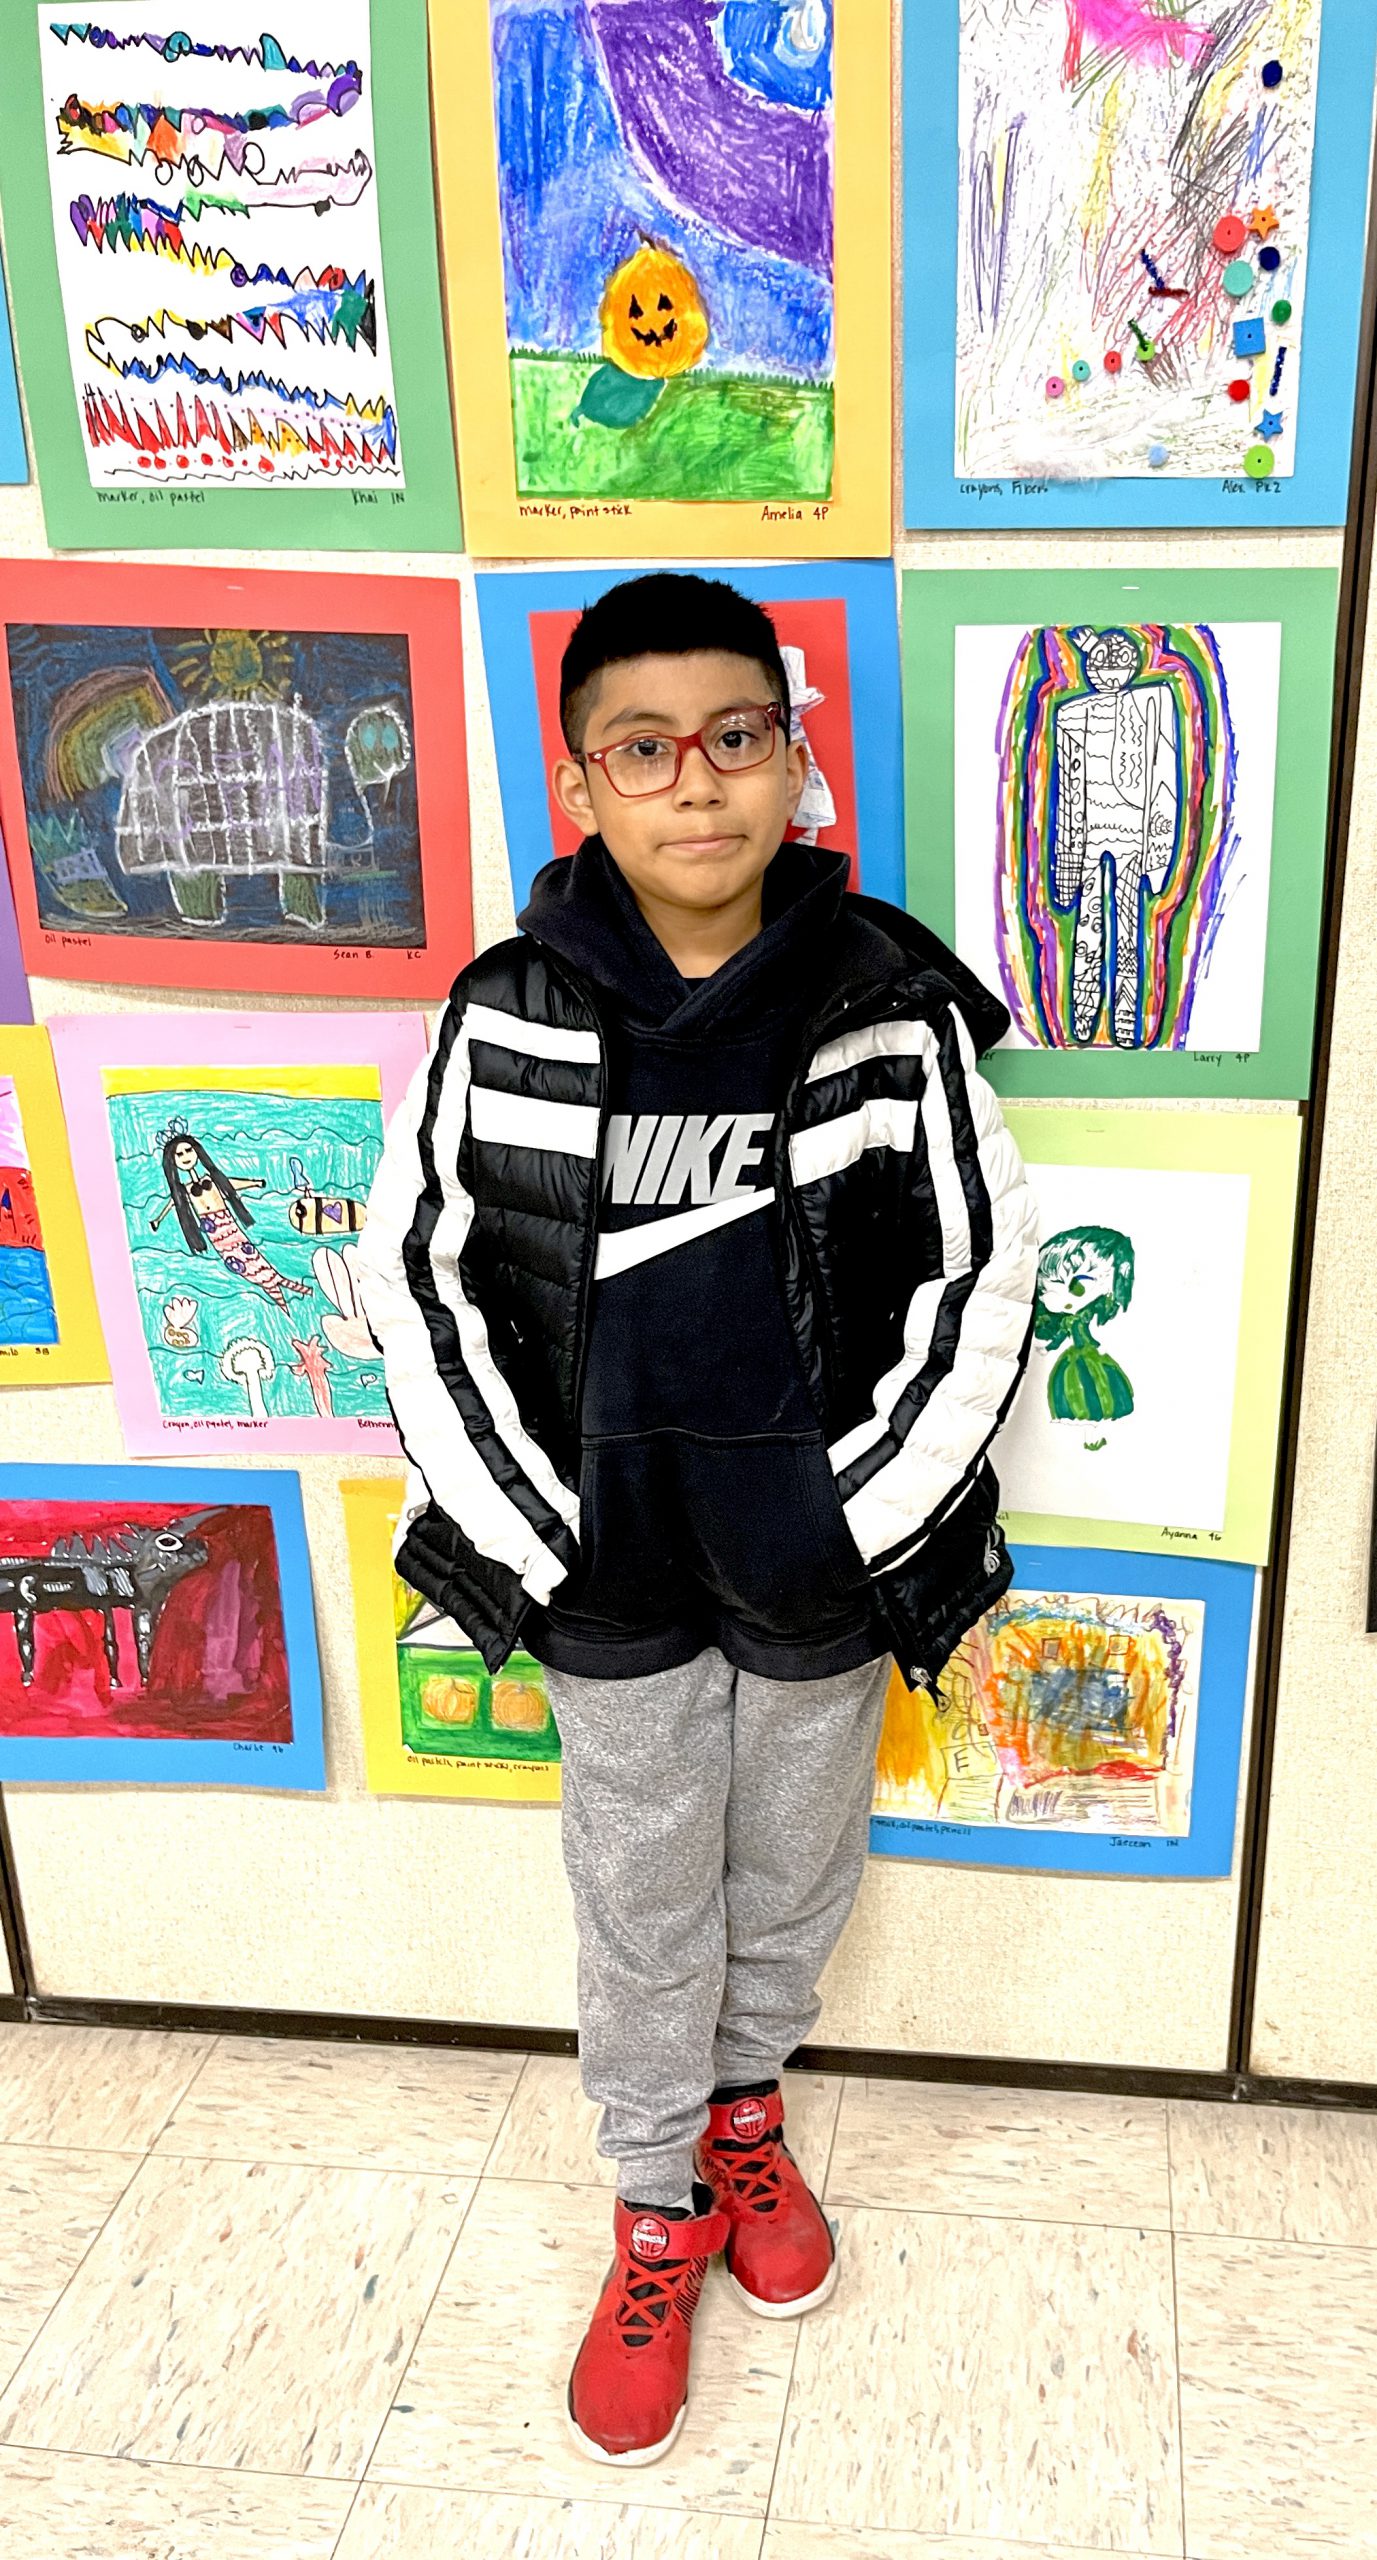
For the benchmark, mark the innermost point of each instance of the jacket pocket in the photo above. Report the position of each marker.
(933, 1595)
(839, 1557)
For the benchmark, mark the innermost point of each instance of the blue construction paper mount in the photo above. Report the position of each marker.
(153, 1760)
(1228, 1592)
(14, 460)
(1317, 492)
(507, 598)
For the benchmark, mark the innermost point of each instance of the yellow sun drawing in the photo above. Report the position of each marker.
(232, 666)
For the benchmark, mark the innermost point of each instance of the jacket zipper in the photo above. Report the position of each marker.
(582, 1326)
(823, 1028)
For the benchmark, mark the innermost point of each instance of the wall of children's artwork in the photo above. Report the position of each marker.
(258, 814)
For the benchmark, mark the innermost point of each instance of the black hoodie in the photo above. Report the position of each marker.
(709, 1510)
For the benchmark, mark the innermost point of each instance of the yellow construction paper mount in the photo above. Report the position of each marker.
(50, 1332)
(434, 1722)
(613, 435)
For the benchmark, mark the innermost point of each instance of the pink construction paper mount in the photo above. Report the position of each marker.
(84, 1044)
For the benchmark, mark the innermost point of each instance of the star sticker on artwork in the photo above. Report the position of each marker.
(1270, 423)
(1262, 221)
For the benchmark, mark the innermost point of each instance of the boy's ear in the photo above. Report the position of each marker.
(569, 782)
(796, 770)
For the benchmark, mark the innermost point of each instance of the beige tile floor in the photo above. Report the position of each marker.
(286, 2301)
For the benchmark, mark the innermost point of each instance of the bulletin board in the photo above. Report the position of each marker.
(342, 1903)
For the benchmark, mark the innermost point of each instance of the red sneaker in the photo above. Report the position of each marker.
(628, 2392)
(780, 2255)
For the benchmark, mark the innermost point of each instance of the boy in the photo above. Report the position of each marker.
(702, 1265)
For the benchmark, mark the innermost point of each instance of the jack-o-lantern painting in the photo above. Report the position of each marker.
(653, 321)
(653, 326)
(666, 185)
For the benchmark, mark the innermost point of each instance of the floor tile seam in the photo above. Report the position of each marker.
(278, 2160)
(997, 2542)
(1180, 2404)
(1275, 2240)
(974, 2213)
(184, 2468)
(768, 2516)
(421, 2327)
(500, 2126)
(602, 2490)
(348, 2517)
(832, 2138)
(82, 2150)
(54, 2306)
(213, 2044)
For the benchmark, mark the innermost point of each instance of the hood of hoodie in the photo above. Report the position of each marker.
(582, 909)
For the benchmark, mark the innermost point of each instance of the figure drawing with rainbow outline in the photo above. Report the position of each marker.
(1117, 763)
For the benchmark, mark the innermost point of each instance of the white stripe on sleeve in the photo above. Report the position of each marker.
(877, 1040)
(960, 1414)
(522, 1120)
(531, 1039)
(884, 1121)
(427, 1416)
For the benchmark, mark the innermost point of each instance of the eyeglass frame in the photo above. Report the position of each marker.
(775, 713)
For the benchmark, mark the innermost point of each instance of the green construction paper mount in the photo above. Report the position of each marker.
(422, 516)
(936, 603)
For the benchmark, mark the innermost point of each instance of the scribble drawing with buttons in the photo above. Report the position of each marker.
(1133, 219)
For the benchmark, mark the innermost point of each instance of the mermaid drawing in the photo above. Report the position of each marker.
(213, 1216)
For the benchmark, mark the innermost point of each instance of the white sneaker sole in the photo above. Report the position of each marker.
(787, 2310)
(639, 2456)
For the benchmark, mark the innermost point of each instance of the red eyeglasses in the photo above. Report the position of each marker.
(732, 742)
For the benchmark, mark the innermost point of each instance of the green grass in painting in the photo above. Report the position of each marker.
(709, 435)
(483, 1738)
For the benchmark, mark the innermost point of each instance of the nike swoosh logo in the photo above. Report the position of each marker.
(665, 1235)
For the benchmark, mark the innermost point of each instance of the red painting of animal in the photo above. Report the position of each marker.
(142, 1618)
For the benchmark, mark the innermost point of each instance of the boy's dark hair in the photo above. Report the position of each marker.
(666, 614)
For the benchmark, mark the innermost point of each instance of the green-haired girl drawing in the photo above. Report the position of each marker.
(1085, 1279)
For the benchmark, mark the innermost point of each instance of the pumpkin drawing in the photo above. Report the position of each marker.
(653, 321)
(653, 325)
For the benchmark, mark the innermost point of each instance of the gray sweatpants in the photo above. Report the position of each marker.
(715, 1831)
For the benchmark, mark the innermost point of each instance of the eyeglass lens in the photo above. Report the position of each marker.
(731, 744)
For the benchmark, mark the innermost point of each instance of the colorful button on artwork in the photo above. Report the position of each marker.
(1272, 75)
(1270, 423)
(1113, 361)
(1240, 389)
(1239, 278)
(1281, 313)
(1250, 338)
(1080, 370)
(1259, 462)
(1157, 455)
(1262, 221)
(1056, 388)
(1229, 236)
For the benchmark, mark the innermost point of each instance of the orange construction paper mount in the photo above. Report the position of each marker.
(668, 165)
(235, 778)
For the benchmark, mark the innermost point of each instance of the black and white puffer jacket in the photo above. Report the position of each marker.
(904, 1254)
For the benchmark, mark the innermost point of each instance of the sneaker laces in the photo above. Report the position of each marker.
(755, 2169)
(648, 2300)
